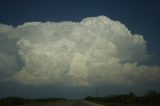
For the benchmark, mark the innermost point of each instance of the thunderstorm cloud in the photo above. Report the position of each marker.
(95, 51)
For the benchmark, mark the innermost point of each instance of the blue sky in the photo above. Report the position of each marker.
(139, 16)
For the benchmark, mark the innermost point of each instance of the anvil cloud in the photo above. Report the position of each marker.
(95, 51)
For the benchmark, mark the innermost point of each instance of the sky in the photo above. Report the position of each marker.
(72, 49)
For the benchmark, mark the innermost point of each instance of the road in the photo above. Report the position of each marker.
(65, 103)
(85, 103)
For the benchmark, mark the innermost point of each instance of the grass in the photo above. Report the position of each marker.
(20, 101)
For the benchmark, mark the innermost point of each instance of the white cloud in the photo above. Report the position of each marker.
(96, 50)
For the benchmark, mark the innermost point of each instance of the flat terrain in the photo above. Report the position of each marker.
(65, 103)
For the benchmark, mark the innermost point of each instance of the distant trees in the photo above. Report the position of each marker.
(150, 98)
(10, 101)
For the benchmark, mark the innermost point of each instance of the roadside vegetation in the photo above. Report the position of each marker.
(11, 101)
(150, 98)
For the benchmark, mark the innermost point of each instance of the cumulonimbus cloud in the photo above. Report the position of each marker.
(96, 50)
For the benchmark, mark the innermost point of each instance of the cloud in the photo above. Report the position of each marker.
(7, 65)
(8, 52)
(96, 50)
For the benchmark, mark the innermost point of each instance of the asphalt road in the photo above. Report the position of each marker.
(65, 103)
(85, 103)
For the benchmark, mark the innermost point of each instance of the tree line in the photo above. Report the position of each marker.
(11, 101)
(150, 98)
